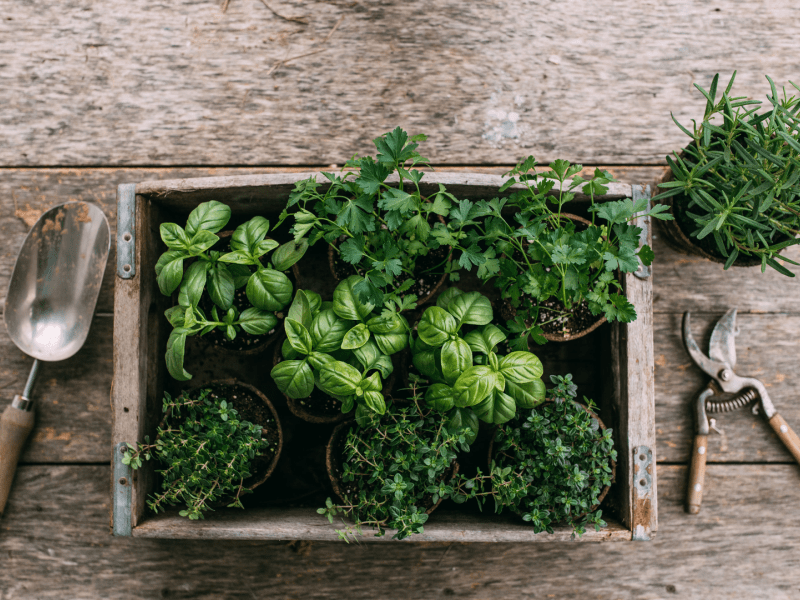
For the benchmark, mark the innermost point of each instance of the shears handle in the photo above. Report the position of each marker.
(788, 437)
(697, 474)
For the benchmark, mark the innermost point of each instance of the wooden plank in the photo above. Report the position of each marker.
(487, 82)
(55, 544)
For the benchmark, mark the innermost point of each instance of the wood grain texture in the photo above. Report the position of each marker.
(55, 544)
(136, 82)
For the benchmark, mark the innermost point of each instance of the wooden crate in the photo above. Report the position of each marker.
(613, 365)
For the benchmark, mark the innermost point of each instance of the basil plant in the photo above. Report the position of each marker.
(466, 377)
(341, 347)
(219, 274)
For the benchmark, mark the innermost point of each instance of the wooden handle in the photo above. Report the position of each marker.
(697, 474)
(15, 425)
(788, 437)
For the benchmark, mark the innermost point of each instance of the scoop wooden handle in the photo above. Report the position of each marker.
(788, 437)
(15, 425)
(697, 474)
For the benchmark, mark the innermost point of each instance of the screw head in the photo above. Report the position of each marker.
(725, 374)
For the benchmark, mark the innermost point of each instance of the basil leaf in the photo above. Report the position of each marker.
(440, 397)
(386, 324)
(176, 346)
(526, 395)
(521, 367)
(375, 402)
(298, 336)
(238, 257)
(314, 301)
(174, 236)
(372, 383)
(474, 384)
(391, 343)
(294, 378)
(492, 336)
(318, 360)
(220, 286)
(288, 254)
(327, 331)
(461, 419)
(363, 415)
(288, 352)
(171, 274)
(496, 408)
(367, 354)
(436, 326)
(300, 310)
(264, 246)
(211, 216)
(356, 337)
(456, 358)
(339, 379)
(346, 303)
(241, 275)
(472, 308)
(249, 234)
(175, 315)
(257, 322)
(195, 280)
(167, 258)
(446, 296)
(202, 241)
(477, 343)
(425, 362)
(269, 290)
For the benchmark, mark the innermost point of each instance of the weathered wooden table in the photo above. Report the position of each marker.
(94, 94)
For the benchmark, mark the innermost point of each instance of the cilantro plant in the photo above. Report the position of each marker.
(526, 245)
(219, 274)
(343, 348)
(552, 465)
(381, 230)
(738, 180)
(395, 468)
(467, 379)
(205, 451)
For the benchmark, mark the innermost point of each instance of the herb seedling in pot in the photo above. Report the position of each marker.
(342, 348)
(219, 275)
(555, 272)
(735, 189)
(378, 230)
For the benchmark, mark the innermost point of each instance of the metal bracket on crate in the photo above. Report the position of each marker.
(639, 192)
(123, 492)
(642, 487)
(126, 230)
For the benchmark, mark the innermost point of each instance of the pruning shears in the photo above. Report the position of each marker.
(719, 365)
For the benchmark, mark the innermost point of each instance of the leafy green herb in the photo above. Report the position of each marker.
(378, 228)
(739, 177)
(205, 451)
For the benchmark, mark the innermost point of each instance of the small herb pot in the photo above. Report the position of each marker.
(333, 460)
(252, 405)
(424, 292)
(319, 407)
(492, 455)
(587, 323)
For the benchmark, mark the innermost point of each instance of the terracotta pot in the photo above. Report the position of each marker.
(332, 256)
(333, 455)
(508, 312)
(263, 473)
(679, 240)
(605, 490)
(302, 410)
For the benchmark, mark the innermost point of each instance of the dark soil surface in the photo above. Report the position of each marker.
(428, 271)
(579, 320)
(251, 408)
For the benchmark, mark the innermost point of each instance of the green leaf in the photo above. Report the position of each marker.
(436, 326)
(339, 379)
(211, 216)
(392, 148)
(496, 408)
(346, 303)
(328, 331)
(300, 310)
(646, 255)
(425, 362)
(471, 308)
(249, 234)
(526, 395)
(174, 236)
(446, 296)
(456, 358)
(473, 385)
(351, 251)
(195, 280)
(461, 419)
(170, 271)
(298, 336)
(268, 289)
(220, 286)
(440, 397)
(521, 367)
(257, 322)
(288, 254)
(318, 360)
(375, 402)
(386, 323)
(238, 257)
(391, 343)
(176, 345)
(294, 378)
(202, 241)
(356, 337)
(371, 175)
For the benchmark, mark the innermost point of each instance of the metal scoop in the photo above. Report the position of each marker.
(49, 307)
